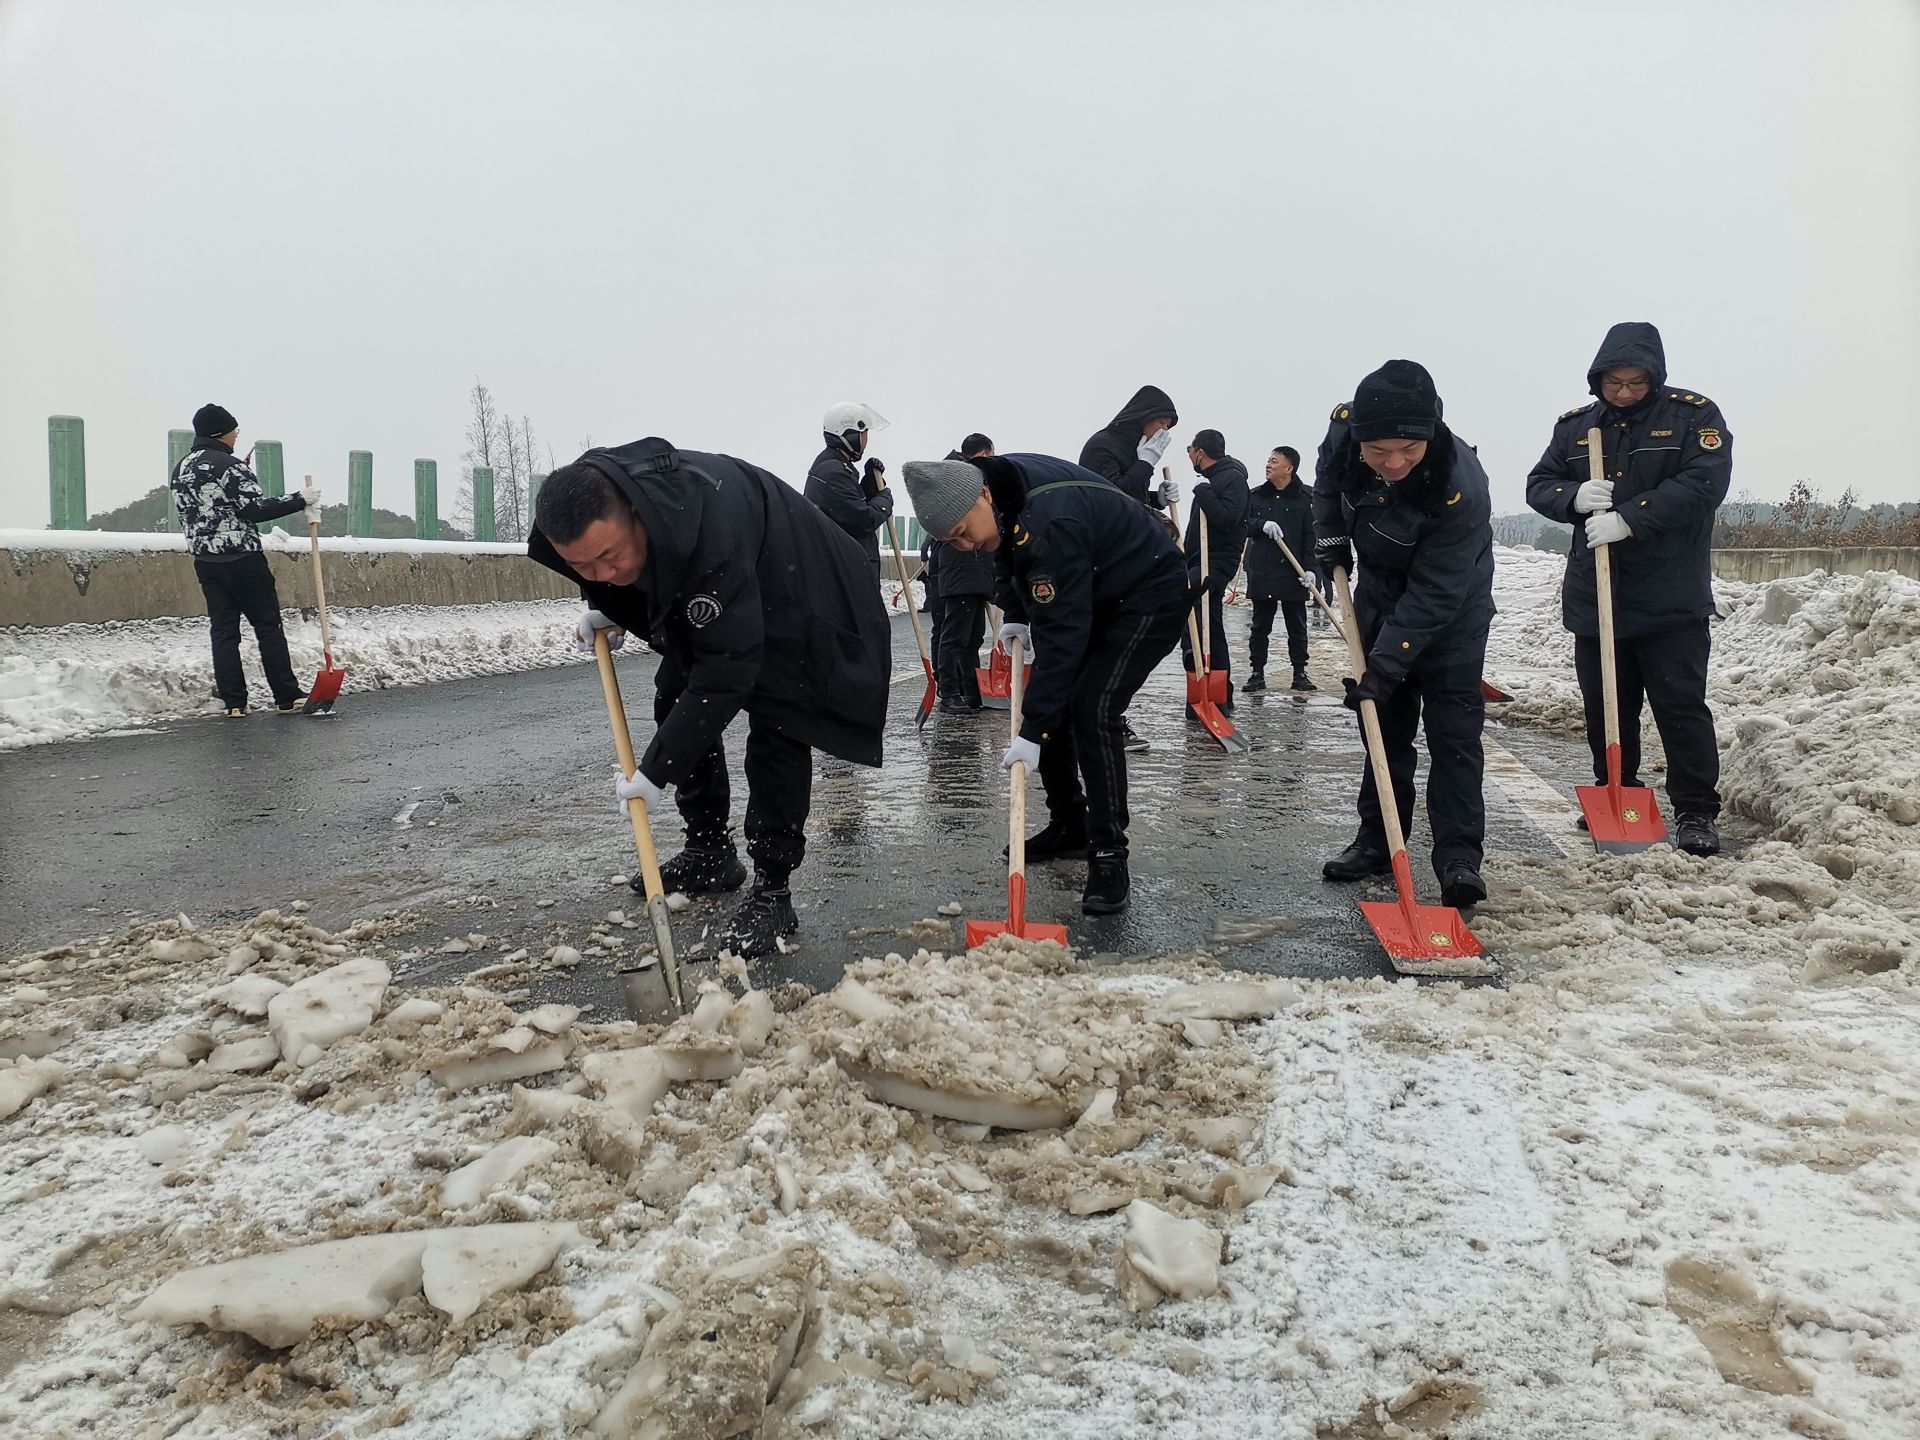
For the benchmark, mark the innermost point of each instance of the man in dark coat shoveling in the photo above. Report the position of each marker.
(754, 601)
(1669, 461)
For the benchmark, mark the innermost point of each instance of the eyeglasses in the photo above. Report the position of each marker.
(1610, 384)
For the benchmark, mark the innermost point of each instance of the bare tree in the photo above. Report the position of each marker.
(485, 443)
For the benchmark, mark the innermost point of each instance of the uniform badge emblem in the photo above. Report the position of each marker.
(1710, 439)
(1042, 590)
(702, 611)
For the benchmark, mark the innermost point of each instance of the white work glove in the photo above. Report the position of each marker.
(310, 497)
(1592, 496)
(1154, 446)
(1169, 489)
(1272, 529)
(1022, 752)
(1306, 584)
(1012, 630)
(1607, 528)
(638, 788)
(593, 620)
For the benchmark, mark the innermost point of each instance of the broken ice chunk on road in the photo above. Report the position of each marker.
(327, 1007)
(248, 995)
(25, 1080)
(278, 1297)
(491, 1066)
(1164, 1256)
(471, 1184)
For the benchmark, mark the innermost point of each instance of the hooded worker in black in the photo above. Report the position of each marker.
(1285, 502)
(1221, 496)
(1096, 591)
(753, 601)
(854, 496)
(1398, 487)
(1128, 448)
(1668, 461)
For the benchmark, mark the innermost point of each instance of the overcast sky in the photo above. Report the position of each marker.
(707, 222)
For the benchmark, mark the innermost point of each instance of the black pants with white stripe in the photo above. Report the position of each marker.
(1091, 746)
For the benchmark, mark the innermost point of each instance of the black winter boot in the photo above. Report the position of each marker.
(755, 928)
(1461, 885)
(1696, 834)
(1134, 742)
(1365, 856)
(1256, 682)
(1057, 842)
(699, 870)
(1301, 682)
(1107, 883)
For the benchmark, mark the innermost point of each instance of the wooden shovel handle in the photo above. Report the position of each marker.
(1370, 721)
(1603, 597)
(623, 751)
(319, 583)
(906, 591)
(1017, 800)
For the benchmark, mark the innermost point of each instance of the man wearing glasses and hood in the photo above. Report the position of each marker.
(1669, 460)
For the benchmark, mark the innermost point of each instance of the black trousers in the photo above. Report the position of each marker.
(1091, 745)
(932, 611)
(1668, 670)
(779, 797)
(244, 587)
(1443, 691)
(1295, 613)
(963, 621)
(1218, 656)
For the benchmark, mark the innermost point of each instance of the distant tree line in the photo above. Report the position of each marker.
(1807, 521)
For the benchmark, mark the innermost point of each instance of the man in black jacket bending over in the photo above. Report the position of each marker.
(1396, 485)
(1669, 461)
(1221, 496)
(1096, 591)
(753, 601)
(1282, 508)
(858, 502)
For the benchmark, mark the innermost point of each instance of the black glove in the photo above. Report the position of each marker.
(1333, 552)
(1371, 686)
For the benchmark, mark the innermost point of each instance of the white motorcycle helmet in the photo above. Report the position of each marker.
(848, 420)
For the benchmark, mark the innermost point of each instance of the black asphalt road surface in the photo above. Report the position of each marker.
(420, 799)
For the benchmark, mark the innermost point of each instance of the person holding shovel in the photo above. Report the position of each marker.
(753, 601)
(1281, 508)
(1096, 592)
(221, 509)
(1668, 463)
(1221, 496)
(1397, 487)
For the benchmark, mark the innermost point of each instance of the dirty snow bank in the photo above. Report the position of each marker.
(1662, 1186)
(69, 681)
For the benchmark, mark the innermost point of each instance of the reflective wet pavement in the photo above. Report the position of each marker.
(499, 787)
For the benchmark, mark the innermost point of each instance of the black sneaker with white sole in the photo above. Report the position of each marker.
(1696, 834)
(762, 919)
(706, 870)
(1134, 742)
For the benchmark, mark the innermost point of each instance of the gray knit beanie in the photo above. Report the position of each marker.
(943, 491)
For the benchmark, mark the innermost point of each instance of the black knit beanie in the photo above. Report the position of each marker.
(214, 420)
(1396, 402)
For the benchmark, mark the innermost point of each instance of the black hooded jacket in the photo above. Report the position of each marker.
(1073, 554)
(1671, 460)
(1269, 577)
(1424, 547)
(835, 486)
(1221, 496)
(1115, 451)
(753, 600)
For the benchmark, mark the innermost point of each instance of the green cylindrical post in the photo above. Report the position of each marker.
(426, 500)
(360, 492)
(179, 442)
(482, 503)
(270, 469)
(533, 496)
(66, 472)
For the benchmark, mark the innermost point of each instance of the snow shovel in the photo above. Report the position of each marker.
(326, 685)
(1623, 819)
(1016, 921)
(913, 614)
(1202, 697)
(1419, 939)
(649, 1001)
(996, 679)
(1216, 683)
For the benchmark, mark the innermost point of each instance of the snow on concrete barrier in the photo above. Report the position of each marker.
(59, 577)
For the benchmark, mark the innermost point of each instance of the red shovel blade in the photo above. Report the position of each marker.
(989, 700)
(1016, 921)
(1197, 689)
(1622, 819)
(325, 688)
(1218, 687)
(926, 700)
(1221, 728)
(1491, 691)
(1412, 933)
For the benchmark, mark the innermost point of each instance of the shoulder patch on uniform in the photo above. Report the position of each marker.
(1455, 499)
(1577, 410)
(1710, 438)
(1021, 535)
(1687, 398)
(1341, 411)
(1042, 590)
(702, 611)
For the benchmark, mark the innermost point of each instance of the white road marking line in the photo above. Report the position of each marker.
(1551, 811)
(918, 672)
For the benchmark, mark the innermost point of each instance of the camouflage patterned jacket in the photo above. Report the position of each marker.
(221, 504)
